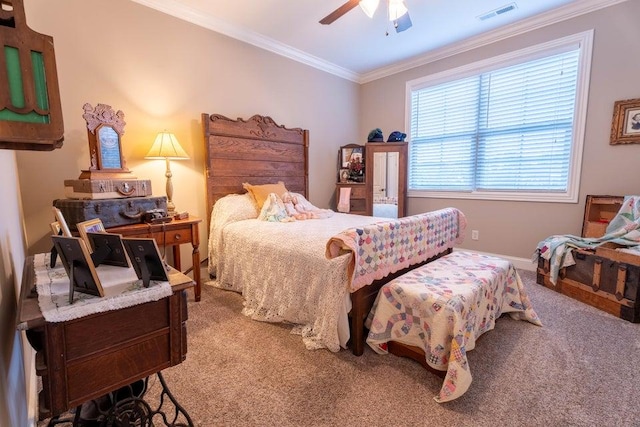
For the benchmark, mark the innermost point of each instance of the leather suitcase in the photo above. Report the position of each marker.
(106, 188)
(112, 212)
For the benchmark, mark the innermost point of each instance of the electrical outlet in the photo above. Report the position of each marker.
(475, 235)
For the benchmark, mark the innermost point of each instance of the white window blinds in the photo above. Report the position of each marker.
(508, 129)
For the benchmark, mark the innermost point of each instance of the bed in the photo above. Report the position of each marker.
(274, 264)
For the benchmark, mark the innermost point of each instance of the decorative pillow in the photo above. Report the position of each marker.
(261, 192)
(274, 210)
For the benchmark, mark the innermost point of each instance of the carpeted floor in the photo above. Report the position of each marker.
(582, 368)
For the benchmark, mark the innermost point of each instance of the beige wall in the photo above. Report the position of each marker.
(163, 73)
(515, 228)
(16, 372)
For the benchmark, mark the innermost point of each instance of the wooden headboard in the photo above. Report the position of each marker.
(257, 151)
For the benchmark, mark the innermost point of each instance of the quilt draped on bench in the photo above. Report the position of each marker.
(385, 247)
(443, 307)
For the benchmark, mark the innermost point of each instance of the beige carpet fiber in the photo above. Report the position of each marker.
(582, 368)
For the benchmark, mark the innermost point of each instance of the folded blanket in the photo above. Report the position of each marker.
(624, 229)
(385, 247)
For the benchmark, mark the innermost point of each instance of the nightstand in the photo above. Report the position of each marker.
(173, 234)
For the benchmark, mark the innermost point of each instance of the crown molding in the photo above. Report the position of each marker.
(554, 16)
(178, 10)
(562, 13)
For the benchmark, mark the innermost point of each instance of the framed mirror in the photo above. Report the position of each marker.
(386, 179)
(109, 148)
(352, 163)
(105, 128)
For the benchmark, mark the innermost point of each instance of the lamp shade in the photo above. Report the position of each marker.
(166, 146)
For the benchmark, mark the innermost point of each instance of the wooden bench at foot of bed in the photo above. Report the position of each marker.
(362, 301)
(435, 313)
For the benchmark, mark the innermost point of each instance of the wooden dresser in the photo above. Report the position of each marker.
(85, 358)
(358, 203)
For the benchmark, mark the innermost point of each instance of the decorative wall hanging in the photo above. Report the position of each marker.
(625, 127)
(30, 111)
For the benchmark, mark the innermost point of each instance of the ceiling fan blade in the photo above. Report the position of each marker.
(339, 12)
(402, 23)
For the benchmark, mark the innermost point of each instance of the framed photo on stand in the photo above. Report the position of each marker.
(62, 223)
(77, 263)
(90, 226)
(107, 249)
(146, 259)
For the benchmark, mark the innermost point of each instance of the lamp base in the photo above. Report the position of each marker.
(171, 208)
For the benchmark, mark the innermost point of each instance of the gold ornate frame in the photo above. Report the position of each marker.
(625, 127)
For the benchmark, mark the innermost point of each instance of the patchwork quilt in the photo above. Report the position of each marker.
(388, 246)
(624, 229)
(443, 307)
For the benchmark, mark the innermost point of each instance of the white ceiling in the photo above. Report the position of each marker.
(357, 47)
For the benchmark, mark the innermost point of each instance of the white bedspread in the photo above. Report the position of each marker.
(297, 284)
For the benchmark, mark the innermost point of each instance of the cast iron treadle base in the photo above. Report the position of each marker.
(126, 407)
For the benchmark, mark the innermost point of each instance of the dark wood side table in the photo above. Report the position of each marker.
(85, 358)
(173, 234)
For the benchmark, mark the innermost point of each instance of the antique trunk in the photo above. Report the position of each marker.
(598, 212)
(605, 278)
(112, 212)
(106, 188)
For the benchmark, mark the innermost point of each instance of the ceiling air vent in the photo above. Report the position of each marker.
(496, 12)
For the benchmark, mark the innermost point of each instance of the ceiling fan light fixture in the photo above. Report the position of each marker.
(369, 7)
(396, 9)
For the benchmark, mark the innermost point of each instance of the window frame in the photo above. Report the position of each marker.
(584, 41)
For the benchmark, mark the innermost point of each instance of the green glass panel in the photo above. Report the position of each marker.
(12, 58)
(32, 117)
(40, 79)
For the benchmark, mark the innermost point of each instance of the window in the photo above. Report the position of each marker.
(507, 128)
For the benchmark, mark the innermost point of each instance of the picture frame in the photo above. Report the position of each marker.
(146, 260)
(108, 247)
(344, 175)
(625, 126)
(351, 152)
(55, 228)
(90, 226)
(77, 262)
(62, 222)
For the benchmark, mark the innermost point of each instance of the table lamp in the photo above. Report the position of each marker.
(167, 147)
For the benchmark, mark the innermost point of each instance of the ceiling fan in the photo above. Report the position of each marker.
(396, 10)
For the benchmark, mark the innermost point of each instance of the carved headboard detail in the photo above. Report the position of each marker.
(257, 151)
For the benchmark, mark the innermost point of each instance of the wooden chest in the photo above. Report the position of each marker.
(112, 212)
(598, 212)
(604, 278)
